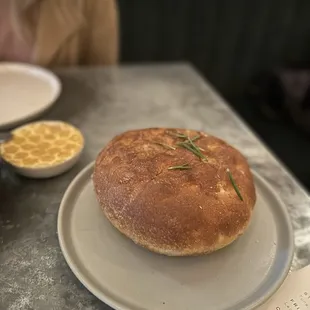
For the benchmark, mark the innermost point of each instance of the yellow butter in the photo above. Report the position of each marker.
(42, 144)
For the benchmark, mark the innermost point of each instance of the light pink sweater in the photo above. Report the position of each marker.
(12, 48)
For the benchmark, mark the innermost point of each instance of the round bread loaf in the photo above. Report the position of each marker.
(173, 195)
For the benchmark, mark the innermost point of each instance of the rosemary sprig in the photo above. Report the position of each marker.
(167, 146)
(181, 167)
(234, 184)
(177, 134)
(182, 136)
(195, 138)
(190, 146)
(195, 146)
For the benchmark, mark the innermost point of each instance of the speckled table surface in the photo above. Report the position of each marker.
(102, 103)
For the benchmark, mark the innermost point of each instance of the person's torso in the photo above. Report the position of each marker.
(13, 47)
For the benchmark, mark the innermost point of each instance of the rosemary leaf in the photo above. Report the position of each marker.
(189, 148)
(183, 136)
(165, 145)
(181, 167)
(194, 149)
(177, 134)
(189, 144)
(195, 138)
(197, 149)
(234, 184)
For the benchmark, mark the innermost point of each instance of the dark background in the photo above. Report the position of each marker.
(229, 42)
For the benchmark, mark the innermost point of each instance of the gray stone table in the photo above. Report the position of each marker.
(102, 103)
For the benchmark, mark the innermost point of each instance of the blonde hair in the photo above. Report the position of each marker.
(21, 26)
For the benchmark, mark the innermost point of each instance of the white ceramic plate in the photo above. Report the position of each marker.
(128, 277)
(26, 91)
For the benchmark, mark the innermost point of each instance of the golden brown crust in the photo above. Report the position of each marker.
(174, 212)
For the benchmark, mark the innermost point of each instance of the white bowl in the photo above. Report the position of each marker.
(48, 172)
(26, 91)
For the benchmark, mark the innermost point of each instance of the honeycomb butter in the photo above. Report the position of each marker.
(42, 145)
